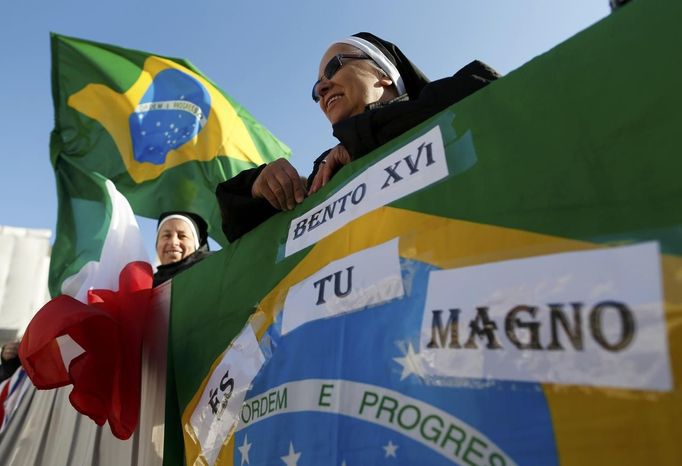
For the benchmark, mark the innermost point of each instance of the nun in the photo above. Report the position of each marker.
(181, 242)
(371, 93)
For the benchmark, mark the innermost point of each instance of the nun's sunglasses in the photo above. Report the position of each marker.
(331, 68)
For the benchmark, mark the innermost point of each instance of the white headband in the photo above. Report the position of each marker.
(187, 220)
(379, 58)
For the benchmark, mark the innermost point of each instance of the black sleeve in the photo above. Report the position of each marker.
(363, 133)
(240, 212)
(8, 367)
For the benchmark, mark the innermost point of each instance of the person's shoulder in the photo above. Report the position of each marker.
(467, 80)
(475, 71)
(478, 70)
(201, 254)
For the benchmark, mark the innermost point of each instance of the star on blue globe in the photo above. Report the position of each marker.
(173, 110)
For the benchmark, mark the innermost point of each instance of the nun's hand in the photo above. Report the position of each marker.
(279, 184)
(335, 159)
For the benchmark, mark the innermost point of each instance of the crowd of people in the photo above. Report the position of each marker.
(369, 91)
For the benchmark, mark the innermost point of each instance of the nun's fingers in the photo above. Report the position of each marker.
(336, 158)
(274, 198)
(287, 186)
(321, 177)
(265, 192)
(261, 187)
(280, 185)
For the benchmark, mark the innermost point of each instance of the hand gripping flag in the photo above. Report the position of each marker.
(162, 132)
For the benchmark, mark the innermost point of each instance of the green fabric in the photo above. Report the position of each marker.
(81, 148)
(83, 220)
(580, 143)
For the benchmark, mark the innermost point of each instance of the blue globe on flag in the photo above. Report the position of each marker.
(172, 111)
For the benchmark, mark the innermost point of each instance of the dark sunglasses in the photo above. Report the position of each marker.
(332, 67)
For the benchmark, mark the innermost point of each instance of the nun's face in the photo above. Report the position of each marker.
(354, 86)
(174, 242)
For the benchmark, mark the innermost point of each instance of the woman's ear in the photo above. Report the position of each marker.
(386, 81)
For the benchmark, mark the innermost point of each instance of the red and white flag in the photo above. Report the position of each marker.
(91, 335)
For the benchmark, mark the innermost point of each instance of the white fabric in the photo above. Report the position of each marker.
(122, 245)
(379, 58)
(45, 430)
(24, 265)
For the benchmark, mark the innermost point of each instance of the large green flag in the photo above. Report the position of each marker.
(499, 285)
(163, 133)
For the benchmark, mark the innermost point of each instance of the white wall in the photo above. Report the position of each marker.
(24, 265)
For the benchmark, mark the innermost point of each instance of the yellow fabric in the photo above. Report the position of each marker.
(224, 133)
(582, 416)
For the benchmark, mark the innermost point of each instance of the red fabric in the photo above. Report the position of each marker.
(106, 376)
(4, 389)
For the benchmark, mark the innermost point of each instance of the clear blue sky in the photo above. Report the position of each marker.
(264, 54)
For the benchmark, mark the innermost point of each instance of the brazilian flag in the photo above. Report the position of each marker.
(501, 285)
(156, 127)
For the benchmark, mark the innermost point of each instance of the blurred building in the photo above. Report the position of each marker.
(24, 265)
